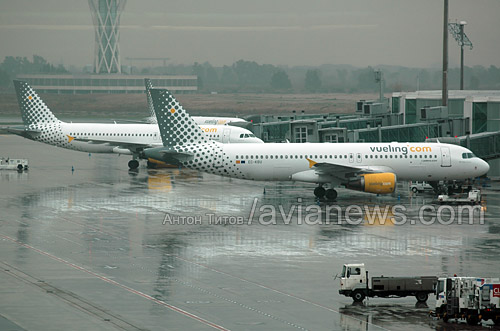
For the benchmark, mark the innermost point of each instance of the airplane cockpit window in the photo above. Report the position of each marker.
(468, 155)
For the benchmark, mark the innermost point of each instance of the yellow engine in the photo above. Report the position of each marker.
(383, 183)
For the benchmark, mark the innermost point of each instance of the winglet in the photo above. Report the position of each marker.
(311, 162)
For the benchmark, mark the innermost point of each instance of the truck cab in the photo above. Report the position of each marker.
(353, 276)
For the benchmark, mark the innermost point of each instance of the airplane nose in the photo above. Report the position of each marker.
(484, 167)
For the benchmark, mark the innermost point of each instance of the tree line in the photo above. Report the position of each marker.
(250, 77)
(12, 66)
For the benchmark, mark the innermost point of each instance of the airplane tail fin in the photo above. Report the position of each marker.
(177, 128)
(33, 110)
(149, 86)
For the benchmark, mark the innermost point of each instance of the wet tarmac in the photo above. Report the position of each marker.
(104, 248)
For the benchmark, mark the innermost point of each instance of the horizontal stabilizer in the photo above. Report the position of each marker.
(22, 131)
(173, 154)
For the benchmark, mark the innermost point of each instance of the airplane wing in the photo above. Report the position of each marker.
(343, 172)
(325, 172)
(133, 147)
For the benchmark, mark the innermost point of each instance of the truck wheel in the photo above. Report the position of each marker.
(20, 167)
(421, 297)
(358, 296)
(472, 319)
(415, 190)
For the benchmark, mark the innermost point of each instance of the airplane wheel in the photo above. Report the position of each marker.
(331, 194)
(472, 319)
(319, 192)
(133, 164)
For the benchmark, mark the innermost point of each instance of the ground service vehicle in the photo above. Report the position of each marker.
(354, 282)
(472, 197)
(419, 186)
(471, 298)
(13, 164)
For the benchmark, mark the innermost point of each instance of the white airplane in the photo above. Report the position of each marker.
(40, 124)
(200, 120)
(368, 167)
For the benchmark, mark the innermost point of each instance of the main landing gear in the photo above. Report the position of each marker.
(321, 193)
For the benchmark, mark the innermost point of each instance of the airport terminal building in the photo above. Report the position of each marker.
(108, 83)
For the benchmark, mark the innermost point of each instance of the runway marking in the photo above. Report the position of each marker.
(70, 298)
(113, 282)
(233, 276)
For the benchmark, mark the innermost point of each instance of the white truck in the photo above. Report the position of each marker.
(13, 164)
(471, 298)
(417, 186)
(354, 283)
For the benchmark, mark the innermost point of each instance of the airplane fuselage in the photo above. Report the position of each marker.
(409, 161)
(121, 138)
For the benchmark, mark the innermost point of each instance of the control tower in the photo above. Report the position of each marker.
(106, 17)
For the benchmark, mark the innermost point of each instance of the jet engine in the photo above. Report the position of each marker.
(381, 183)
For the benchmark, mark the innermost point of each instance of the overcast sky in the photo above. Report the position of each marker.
(289, 32)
